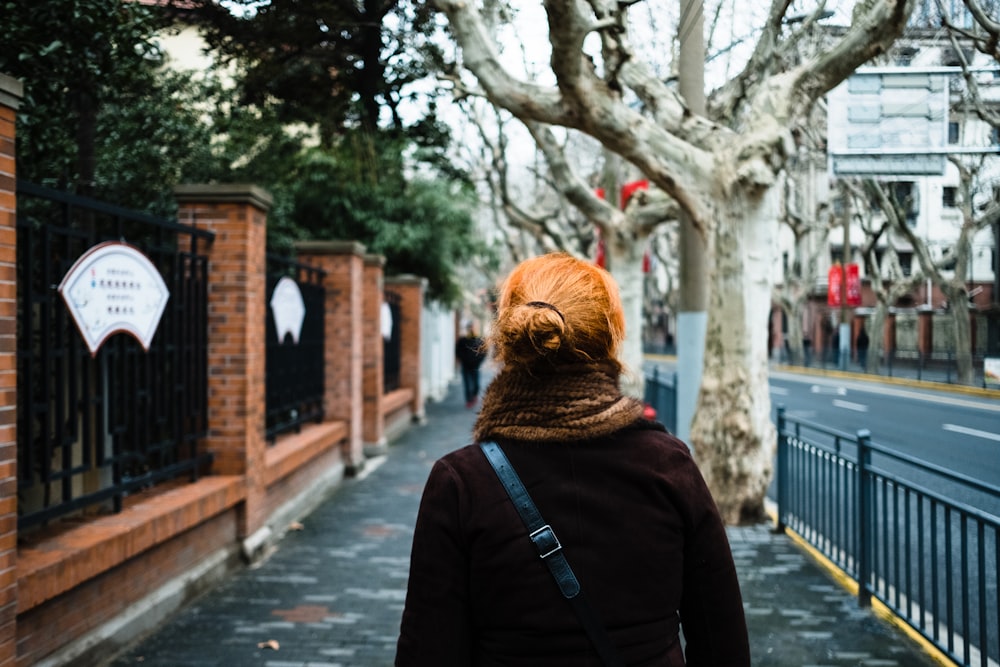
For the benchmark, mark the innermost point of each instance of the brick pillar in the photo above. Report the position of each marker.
(925, 331)
(10, 97)
(373, 421)
(237, 357)
(343, 396)
(411, 292)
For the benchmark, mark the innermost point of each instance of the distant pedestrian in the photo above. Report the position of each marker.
(862, 345)
(633, 516)
(470, 351)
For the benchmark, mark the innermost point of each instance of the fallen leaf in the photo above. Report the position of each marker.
(270, 643)
(295, 525)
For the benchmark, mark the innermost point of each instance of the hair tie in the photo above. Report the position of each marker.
(542, 304)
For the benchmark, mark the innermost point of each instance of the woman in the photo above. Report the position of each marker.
(634, 517)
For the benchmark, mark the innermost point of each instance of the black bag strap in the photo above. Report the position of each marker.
(550, 551)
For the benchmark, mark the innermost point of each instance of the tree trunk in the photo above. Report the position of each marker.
(732, 435)
(624, 262)
(958, 310)
(876, 334)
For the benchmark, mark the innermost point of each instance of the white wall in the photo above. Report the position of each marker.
(437, 352)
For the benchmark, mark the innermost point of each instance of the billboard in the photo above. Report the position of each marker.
(889, 121)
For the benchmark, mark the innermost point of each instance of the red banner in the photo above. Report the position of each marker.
(853, 285)
(834, 283)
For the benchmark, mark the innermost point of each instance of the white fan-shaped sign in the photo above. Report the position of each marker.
(112, 288)
(386, 320)
(289, 308)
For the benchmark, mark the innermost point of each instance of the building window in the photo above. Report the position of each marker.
(904, 195)
(949, 195)
(906, 263)
(953, 132)
(948, 260)
(995, 136)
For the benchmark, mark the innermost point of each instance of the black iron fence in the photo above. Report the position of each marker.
(295, 355)
(391, 344)
(661, 394)
(92, 429)
(922, 540)
(931, 367)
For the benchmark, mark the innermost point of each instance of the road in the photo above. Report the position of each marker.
(961, 433)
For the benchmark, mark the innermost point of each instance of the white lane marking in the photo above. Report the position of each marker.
(971, 431)
(847, 405)
(780, 391)
(819, 389)
(883, 390)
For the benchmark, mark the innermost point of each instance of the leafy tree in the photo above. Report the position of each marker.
(149, 140)
(349, 70)
(421, 225)
(339, 64)
(100, 52)
(132, 129)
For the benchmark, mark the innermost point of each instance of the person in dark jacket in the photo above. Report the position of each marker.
(862, 345)
(470, 353)
(635, 519)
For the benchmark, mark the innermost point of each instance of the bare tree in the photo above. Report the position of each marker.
(808, 215)
(883, 269)
(722, 171)
(949, 271)
(984, 34)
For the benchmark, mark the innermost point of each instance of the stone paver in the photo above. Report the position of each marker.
(331, 593)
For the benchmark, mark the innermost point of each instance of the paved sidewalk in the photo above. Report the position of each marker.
(331, 593)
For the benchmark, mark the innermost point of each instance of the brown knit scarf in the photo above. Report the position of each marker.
(567, 403)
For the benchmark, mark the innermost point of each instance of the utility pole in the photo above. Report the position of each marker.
(993, 322)
(692, 315)
(844, 342)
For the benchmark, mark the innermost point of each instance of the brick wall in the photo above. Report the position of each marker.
(87, 607)
(343, 262)
(100, 580)
(10, 95)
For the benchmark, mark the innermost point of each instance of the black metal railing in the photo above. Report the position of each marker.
(930, 367)
(661, 394)
(921, 539)
(92, 429)
(392, 345)
(295, 377)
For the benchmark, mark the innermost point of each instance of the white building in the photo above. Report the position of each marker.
(899, 123)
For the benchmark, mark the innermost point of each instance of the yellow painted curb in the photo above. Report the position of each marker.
(866, 377)
(878, 607)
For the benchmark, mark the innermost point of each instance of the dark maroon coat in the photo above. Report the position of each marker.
(638, 527)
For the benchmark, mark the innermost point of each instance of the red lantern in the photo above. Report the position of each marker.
(834, 280)
(630, 189)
